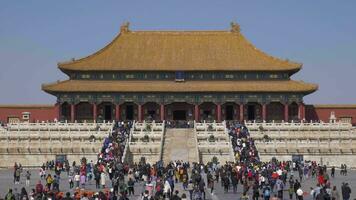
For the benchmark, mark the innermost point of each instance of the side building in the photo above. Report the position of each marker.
(180, 75)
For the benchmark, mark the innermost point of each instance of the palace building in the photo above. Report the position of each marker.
(180, 75)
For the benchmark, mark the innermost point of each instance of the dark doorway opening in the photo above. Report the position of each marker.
(179, 115)
(151, 114)
(108, 113)
(129, 112)
(206, 114)
(229, 110)
(251, 115)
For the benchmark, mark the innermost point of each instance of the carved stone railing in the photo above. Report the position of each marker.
(303, 126)
(58, 126)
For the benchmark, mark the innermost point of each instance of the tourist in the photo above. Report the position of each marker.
(49, 181)
(131, 187)
(291, 192)
(345, 191)
(23, 195)
(28, 178)
(190, 189)
(67, 197)
(335, 194)
(102, 179)
(77, 180)
(184, 197)
(244, 196)
(299, 193)
(10, 195)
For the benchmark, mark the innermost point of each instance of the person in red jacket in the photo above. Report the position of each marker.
(39, 187)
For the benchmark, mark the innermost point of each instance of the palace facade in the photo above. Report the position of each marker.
(180, 75)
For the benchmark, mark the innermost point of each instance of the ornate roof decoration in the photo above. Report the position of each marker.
(235, 27)
(188, 86)
(180, 50)
(125, 27)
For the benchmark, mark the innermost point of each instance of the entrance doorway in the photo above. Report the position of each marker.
(129, 112)
(108, 113)
(180, 115)
(229, 110)
(251, 114)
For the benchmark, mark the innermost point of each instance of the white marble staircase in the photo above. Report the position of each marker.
(180, 144)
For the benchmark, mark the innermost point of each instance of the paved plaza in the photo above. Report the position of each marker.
(6, 182)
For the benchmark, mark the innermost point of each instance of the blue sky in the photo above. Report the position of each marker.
(35, 35)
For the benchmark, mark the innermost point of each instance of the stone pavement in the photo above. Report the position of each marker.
(6, 182)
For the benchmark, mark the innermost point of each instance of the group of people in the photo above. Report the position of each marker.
(256, 179)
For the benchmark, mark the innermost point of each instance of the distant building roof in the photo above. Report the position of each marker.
(180, 51)
(187, 86)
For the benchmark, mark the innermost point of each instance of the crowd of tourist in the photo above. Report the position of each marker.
(256, 179)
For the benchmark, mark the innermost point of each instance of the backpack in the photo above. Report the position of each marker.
(9, 196)
(267, 193)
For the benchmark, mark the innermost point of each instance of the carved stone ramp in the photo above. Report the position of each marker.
(180, 144)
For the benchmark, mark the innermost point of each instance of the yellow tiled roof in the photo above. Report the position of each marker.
(180, 51)
(187, 86)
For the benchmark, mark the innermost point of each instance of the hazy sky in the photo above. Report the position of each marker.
(35, 35)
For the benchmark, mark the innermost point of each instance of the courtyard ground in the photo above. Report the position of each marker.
(6, 182)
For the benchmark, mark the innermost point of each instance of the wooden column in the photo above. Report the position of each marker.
(301, 112)
(241, 112)
(58, 111)
(196, 113)
(286, 112)
(139, 112)
(218, 109)
(72, 112)
(161, 112)
(117, 112)
(95, 111)
(264, 112)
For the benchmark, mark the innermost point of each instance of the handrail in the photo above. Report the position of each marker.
(196, 142)
(162, 141)
(127, 143)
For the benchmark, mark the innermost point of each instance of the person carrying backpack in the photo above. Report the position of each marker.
(10, 195)
(266, 193)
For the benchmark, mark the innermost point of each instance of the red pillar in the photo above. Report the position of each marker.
(58, 111)
(161, 112)
(218, 108)
(301, 111)
(117, 112)
(286, 113)
(72, 112)
(264, 112)
(196, 113)
(241, 112)
(139, 112)
(95, 114)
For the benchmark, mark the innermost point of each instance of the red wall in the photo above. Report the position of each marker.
(322, 112)
(37, 112)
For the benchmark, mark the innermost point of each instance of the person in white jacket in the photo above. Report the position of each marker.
(102, 179)
(167, 189)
